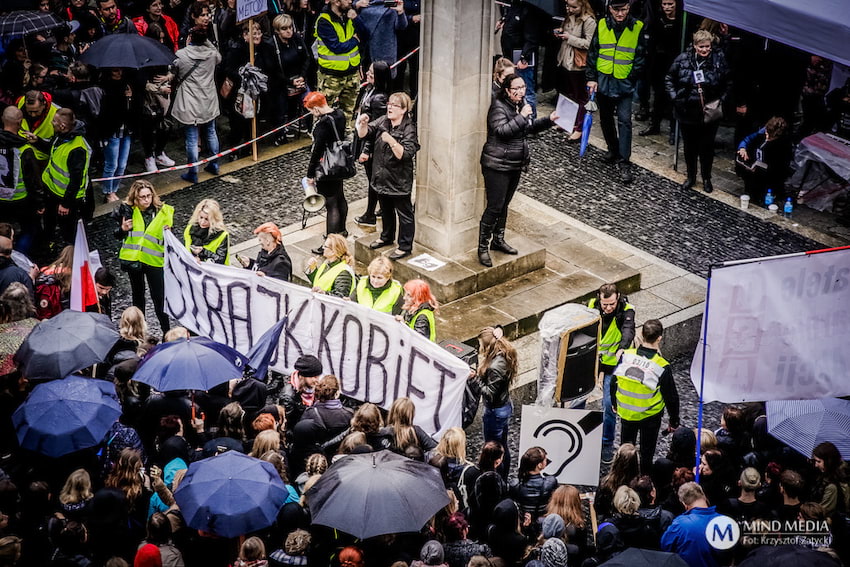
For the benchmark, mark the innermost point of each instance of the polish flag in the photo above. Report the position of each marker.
(83, 292)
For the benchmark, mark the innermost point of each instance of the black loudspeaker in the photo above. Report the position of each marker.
(579, 363)
(461, 350)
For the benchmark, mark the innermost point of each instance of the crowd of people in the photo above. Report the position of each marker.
(113, 505)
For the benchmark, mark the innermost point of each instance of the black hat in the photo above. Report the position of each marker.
(308, 365)
(618, 3)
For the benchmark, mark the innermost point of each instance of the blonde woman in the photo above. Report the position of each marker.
(205, 236)
(575, 35)
(501, 69)
(76, 496)
(268, 440)
(133, 330)
(142, 219)
(334, 276)
(496, 373)
(378, 290)
(400, 427)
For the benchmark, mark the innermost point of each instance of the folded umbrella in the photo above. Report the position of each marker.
(230, 494)
(63, 416)
(127, 50)
(26, 22)
(65, 343)
(377, 493)
(804, 424)
(263, 351)
(197, 363)
(591, 107)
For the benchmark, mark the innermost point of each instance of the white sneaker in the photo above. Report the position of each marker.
(150, 164)
(164, 160)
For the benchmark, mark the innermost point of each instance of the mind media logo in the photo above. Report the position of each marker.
(722, 532)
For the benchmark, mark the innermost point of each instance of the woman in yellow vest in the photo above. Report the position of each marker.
(334, 276)
(418, 309)
(378, 290)
(141, 220)
(205, 235)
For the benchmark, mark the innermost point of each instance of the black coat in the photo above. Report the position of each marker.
(275, 264)
(324, 136)
(292, 60)
(390, 175)
(506, 148)
(683, 91)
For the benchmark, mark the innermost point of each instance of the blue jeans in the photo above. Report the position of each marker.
(495, 422)
(192, 143)
(528, 76)
(609, 419)
(115, 155)
(619, 137)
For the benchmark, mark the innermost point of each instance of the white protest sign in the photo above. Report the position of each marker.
(778, 329)
(571, 438)
(246, 9)
(567, 111)
(376, 358)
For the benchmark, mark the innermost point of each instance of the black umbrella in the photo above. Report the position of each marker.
(377, 493)
(635, 557)
(63, 344)
(128, 50)
(25, 22)
(551, 7)
(788, 556)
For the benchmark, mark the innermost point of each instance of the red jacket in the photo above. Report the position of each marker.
(170, 27)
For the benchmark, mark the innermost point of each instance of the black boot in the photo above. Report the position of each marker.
(485, 231)
(499, 243)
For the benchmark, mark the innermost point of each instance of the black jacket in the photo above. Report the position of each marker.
(275, 264)
(10, 273)
(532, 495)
(324, 136)
(292, 60)
(684, 92)
(506, 148)
(390, 175)
(625, 323)
(495, 383)
(343, 284)
(9, 141)
(665, 384)
(374, 104)
(525, 26)
(76, 161)
(422, 325)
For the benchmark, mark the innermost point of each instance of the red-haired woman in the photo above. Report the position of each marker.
(329, 126)
(272, 261)
(418, 309)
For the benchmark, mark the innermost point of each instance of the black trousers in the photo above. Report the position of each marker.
(648, 429)
(156, 282)
(698, 140)
(500, 187)
(372, 196)
(58, 228)
(336, 207)
(401, 205)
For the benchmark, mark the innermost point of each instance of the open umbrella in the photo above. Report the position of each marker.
(230, 494)
(551, 7)
(636, 557)
(12, 336)
(25, 22)
(127, 50)
(65, 343)
(377, 493)
(260, 355)
(591, 107)
(804, 424)
(788, 556)
(197, 363)
(63, 416)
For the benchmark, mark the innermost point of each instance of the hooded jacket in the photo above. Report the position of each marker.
(196, 99)
(503, 534)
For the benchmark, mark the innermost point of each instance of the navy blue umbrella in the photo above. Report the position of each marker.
(63, 416)
(230, 494)
(261, 354)
(587, 124)
(127, 50)
(197, 363)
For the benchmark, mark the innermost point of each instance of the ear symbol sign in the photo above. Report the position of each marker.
(566, 429)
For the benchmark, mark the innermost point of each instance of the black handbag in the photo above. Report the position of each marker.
(337, 163)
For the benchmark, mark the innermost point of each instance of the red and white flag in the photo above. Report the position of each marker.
(83, 292)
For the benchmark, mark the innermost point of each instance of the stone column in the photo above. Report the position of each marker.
(454, 95)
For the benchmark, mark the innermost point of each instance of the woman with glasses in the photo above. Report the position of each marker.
(503, 158)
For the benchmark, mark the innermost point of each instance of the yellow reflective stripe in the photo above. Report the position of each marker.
(626, 49)
(607, 45)
(630, 394)
(154, 239)
(135, 234)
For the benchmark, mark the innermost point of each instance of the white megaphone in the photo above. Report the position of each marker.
(313, 202)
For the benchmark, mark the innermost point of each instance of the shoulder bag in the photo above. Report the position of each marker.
(711, 111)
(337, 163)
(580, 55)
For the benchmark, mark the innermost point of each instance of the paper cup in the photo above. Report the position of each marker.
(773, 209)
(745, 202)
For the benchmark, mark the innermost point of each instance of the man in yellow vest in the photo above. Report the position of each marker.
(20, 184)
(66, 176)
(39, 110)
(614, 62)
(644, 385)
(617, 332)
(338, 50)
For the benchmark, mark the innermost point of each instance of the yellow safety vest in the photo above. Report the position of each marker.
(12, 186)
(617, 56)
(145, 244)
(336, 61)
(56, 176)
(386, 300)
(611, 341)
(212, 246)
(324, 277)
(638, 390)
(428, 314)
(44, 130)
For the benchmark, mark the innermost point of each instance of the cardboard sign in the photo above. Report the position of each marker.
(247, 9)
(571, 438)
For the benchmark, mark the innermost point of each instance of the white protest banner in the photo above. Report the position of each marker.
(778, 329)
(246, 9)
(571, 438)
(376, 358)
